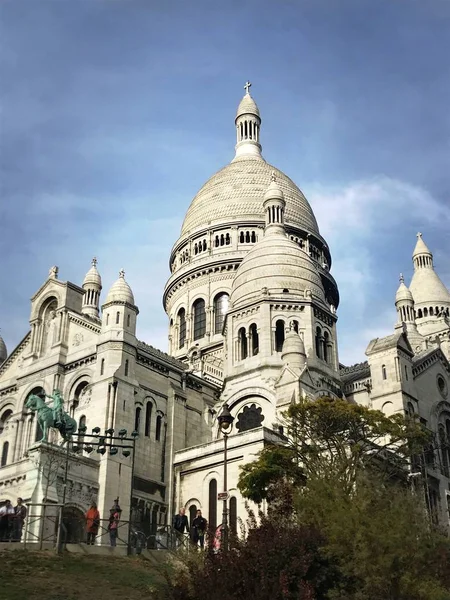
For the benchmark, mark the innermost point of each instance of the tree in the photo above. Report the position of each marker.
(332, 439)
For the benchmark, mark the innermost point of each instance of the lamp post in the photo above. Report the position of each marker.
(88, 442)
(225, 420)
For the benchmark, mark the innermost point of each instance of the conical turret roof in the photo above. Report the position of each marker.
(120, 291)
(93, 276)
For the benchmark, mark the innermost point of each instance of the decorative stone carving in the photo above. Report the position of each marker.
(78, 338)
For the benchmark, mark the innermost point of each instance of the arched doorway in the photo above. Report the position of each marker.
(73, 525)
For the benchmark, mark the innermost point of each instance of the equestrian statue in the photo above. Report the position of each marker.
(52, 417)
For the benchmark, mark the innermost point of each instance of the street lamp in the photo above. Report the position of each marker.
(225, 420)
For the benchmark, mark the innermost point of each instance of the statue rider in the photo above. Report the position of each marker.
(58, 412)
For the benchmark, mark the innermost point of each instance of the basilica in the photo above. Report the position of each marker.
(252, 309)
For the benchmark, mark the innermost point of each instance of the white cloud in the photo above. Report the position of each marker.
(360, 220)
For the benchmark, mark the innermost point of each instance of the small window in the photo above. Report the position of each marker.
(318, 342)
(137, 419)
(383, 372)
(117, 317)
(107, 318)
(254, 339)
(406, 372)
(243, 348)
(5, 454)
(128, 320)
(199, 319)
(279, 336)
(158, 428)
(212, 501)
(148, 418)
(102, 366)
(181, 327)
(220, 310)
(126, 368)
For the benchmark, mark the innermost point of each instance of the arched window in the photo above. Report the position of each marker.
(158, 428)
(233, 515)
(318, 342)
(220, 310)
(199, 319)
(383, 371)
(76, 395)
(254, 339)
(137, 419)
(148, 418)
(5, 454)
(4, 419)
(294, 325)
(107, 318)
(419, 313)
(212, 520)
(227, 239)
(425, 312)
(326, 341)
(192, 513)
(102, 366)
(406, 372)
(127, 363)
(117, 317)
(243, 347)
(241, 237)
(279, 335)
(253, 237)
(181, 327)
(128, 319)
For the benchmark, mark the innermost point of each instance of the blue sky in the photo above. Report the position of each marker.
(113, 113)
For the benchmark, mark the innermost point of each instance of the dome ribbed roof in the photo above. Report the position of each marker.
(247, 106)
(277, 264)
(293, 353)
(120, 291)
(93, 276)
(403, 293)
(3, 350)
(235, 193)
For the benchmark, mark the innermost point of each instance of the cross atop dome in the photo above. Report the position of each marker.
(247, 87)
(94, 262)
(122, 273)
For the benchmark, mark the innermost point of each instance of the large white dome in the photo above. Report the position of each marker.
(234, 194)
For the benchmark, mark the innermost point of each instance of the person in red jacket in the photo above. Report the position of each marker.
(92, 523)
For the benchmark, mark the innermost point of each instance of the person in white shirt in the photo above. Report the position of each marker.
(6, 521)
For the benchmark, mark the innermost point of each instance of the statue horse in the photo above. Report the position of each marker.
(46, 419)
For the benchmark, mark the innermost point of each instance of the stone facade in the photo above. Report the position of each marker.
(108, 379)
(252, 310)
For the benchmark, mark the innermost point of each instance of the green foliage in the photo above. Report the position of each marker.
(335, 440)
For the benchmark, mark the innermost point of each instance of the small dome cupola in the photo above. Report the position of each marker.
(293, 353)
(120, 291)
(431, 297)
(248, 124)
(274, 208)
(92, 285)
(3, 350)
(404, 302)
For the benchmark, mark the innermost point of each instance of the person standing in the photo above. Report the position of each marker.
(20, 513)
(92, 524)
(113, 526)
(180, 525)
(6, 521)
(199, 525)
